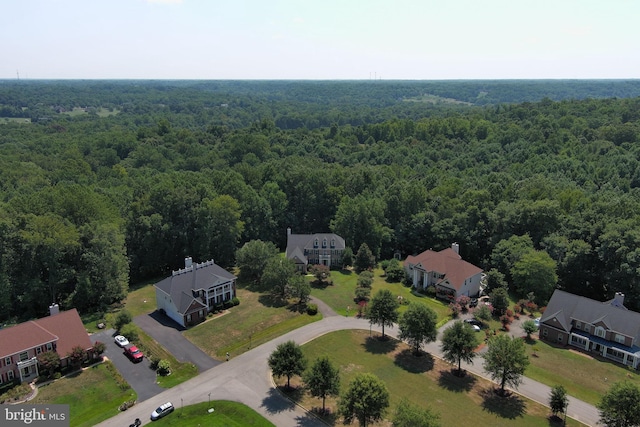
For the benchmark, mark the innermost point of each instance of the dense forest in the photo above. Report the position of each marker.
(107, 183)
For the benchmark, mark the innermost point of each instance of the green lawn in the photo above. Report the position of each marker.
(339, 296)
(256, 320)
(225, 414)
(93, 395)
(583, 376)
(425, 381)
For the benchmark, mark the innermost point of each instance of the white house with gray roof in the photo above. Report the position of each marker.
(607, 329)
(190, 293)
(318, 248)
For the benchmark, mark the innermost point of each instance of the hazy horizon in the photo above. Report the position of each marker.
(332, 40)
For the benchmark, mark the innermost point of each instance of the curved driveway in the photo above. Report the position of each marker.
(246, 378)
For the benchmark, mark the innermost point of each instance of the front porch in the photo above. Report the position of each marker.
(28, 369)
(629, 356)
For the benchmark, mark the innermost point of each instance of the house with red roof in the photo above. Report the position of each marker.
(21, 344)
(446, 271)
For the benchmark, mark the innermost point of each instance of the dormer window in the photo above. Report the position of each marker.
(600, 332)
(324, 243)
(333, 243)
(315, 243)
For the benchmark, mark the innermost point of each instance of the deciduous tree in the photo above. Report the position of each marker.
(323, 379)
(558, 400)
(418, 325)
(383, 309)
(620, 405)
(458, 344)
(252, 258)
(287, 360)
(365, 400)
(506, 360)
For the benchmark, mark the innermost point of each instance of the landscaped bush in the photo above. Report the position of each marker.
(235, 301)
(312, 309)
(126, 405)
(164, 367)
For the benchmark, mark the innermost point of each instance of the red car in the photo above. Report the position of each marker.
(134, 353)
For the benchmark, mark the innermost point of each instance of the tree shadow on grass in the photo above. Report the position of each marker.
(410, 362)
(276, 402)
(378, 345)
(273, 302)
(451, 381)
(509, 406)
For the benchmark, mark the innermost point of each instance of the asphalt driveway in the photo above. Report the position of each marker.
(168, 334)
(139, 375)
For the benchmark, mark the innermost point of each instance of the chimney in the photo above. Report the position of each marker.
(456, 248)
(288, 231)
(188, 262)
(618, 300)
(54, 309)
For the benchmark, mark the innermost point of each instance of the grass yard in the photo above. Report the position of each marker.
(93, 395)
(340, 295)
(425, 381)
(180, 371)
(225, 414)
(255, 321)
(583, 376)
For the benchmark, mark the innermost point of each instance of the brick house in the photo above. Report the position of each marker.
(607, 329)
(318, 248)
(446, 271)
(21, 344)
(190, 293)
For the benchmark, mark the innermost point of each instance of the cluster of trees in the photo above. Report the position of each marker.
(365, 399)
(542, 194)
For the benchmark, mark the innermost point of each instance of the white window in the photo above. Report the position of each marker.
(49, 346)
(620, 339)
(544, 332)
(333, 243)
(587, 328)
(24, 356)
(10, 376)
(578, 325)
(188, 318)
(7, 361)
(38, 350)
(315, 243)
(324, 243)
(600, 332)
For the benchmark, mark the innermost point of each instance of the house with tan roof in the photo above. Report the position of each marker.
(607, 329)
(190, 293)
(446, 271)
(319, 248)
(21, 344)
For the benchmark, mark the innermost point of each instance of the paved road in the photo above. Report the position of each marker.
(246, 379)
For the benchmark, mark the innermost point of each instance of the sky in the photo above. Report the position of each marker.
(320, 39)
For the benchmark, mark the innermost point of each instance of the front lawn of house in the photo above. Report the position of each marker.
(425, 381)
(339, 296)
(584, 377)
(256, 320)
(93, 395)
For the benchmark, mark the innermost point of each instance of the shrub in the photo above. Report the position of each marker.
(235, 301)
(123, 318)
(362, 294)
(126, 405)
(130, 330)
(164, 367)
(312, 309)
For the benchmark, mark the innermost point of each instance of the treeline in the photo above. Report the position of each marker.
(545, 190)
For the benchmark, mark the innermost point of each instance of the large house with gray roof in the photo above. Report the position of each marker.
(607, 329)
(446, 271)
(318, 248)
(190, 293)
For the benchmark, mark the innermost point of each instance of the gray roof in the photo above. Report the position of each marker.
(565, 307)
(297, 243)
(182, 284)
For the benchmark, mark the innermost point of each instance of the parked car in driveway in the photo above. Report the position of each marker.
(134, 353)
(161, 411)
(537, 322)
(121, 341)
(473, 322)
(473, 302)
